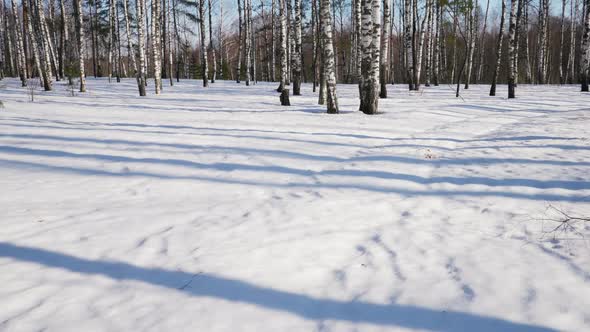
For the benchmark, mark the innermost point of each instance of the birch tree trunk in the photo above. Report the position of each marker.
(542, 56)
(481, 48)
(169, 34)
(204, 67)
(38, 19)
(385, 48)
(79, 13)
(284, 86)
(141, 74)
(511, 50)
(498, 49)
(63, 39)
(420, 51)
(111, 38)
(211, 48)
(240, 39)
(297, 54)
(156, 44)
(248, 39)
(130, 48)
(561, 39)
(472, 33)
(370, 46)
(20, 53)
(585, 49)
(436, 56)
(273, 49)
(570, 72)
(329, 57)
(408, 42)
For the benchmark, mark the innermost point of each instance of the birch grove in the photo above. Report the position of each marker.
(368, 43)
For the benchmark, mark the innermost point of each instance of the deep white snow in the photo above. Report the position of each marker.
(216, 209)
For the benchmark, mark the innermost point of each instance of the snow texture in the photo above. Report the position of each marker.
(217, 209)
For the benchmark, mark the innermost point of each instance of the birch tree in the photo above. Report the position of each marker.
(585, 49)
(370, 49)
(511, 50)
(20, 53)
(328, 57)
(156, 45)
(498, 49)
(297, 56)
(80, 42)
(203, 32)
(141, 73)
(211, 48)
(384, 75)
(284, 85)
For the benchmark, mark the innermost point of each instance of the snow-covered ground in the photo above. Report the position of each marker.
(219, 210)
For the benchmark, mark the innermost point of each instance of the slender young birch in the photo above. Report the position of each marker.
(156, 45)
(211, 48)
(240, 39)
(385, 48)
(585, 49)
(63, 39)
(297, 56)
(80, 41)
(203, 32)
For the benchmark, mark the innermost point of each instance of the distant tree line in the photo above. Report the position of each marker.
(372, 43)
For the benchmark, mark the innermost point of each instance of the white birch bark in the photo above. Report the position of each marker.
(141, 72)
(211, 48)
(328, 57)
(284, 86)
(20, 53)
(156, 45)
(370, 46)
(203, 32)
(511, 50)
(79, 13)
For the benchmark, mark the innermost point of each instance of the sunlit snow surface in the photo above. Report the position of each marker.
(216, 209)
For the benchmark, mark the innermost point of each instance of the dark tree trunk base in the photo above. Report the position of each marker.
(285, 97)
(511, 90)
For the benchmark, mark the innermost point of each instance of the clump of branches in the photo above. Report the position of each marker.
(561, 223)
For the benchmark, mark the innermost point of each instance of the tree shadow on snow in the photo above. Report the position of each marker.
(304, 306)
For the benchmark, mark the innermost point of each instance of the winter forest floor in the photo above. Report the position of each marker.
(219, 210)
